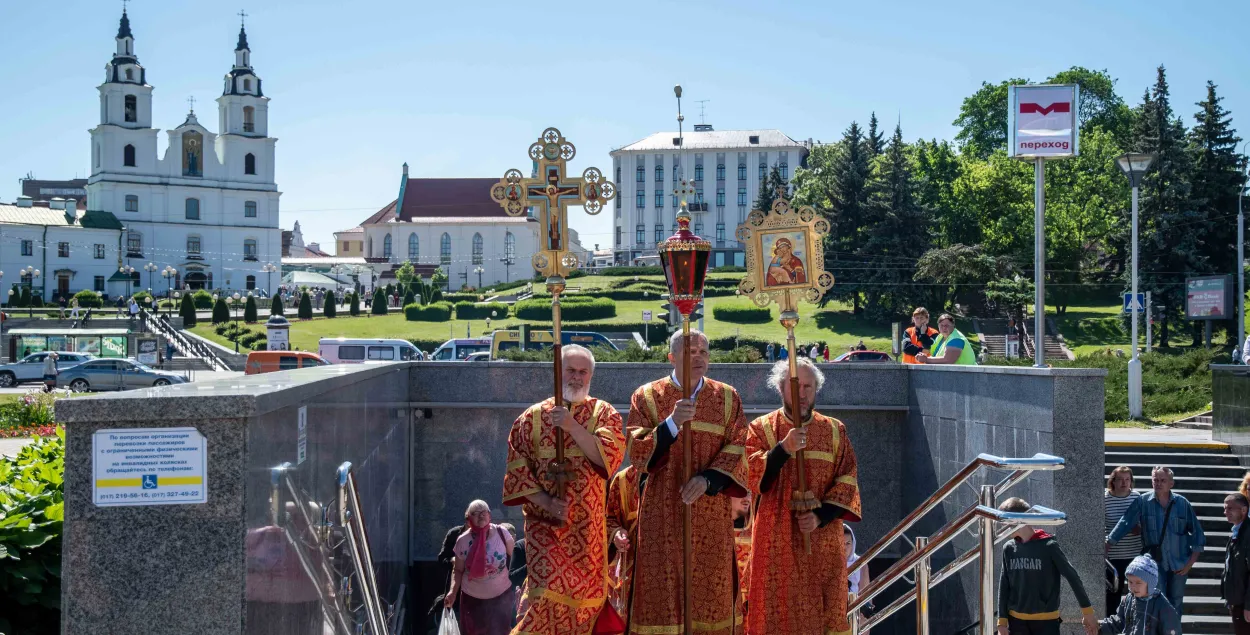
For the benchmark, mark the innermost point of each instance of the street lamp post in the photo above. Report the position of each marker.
(30, 273)
(479, 270)
(269, 268)
(177, 297)
(1241, 259)
(130, 277)
(1134, 166)
(151, 268)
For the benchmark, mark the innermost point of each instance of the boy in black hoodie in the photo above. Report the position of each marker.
(1028, 595)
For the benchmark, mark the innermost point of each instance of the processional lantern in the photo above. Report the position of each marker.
(785, 264)
(550, 192)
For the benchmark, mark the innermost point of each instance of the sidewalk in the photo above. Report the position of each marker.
(1162, 436)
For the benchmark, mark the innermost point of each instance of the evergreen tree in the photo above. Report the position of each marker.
(25, 302)
(937, 168)
(249, 310)
(221, 312)
(275, 306)
(1217, 179)
(305, 306)
(379, 302)
(409, 298)
(330, 309)
(354, 303)
(1172, 233)
(187, 311)
(896, 231)
(390, 290)
(769, 188)
(874, 143)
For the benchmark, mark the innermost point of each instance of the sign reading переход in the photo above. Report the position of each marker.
(149, 466)
(1043, 121)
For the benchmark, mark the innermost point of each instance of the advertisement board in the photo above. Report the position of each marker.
(1209, 298)
(1043, 121)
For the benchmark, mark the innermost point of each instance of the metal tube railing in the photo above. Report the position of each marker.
(1022, 469)
(321, 578)
(985, 573)
(922, 590)
(358, 543)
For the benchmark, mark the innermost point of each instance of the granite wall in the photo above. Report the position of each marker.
(1230, 403)
(223, 566)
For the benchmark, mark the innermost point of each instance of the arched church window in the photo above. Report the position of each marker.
(477, 249)
(130, 74)
(249, 119)
(247, 84)
(386, 246)
(414, 248)
(131, 107)
(509, 246)
(444, 249)
(192, 153)
(128, 156)
(193, 209)
(249, 164)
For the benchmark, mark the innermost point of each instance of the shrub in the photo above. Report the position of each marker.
(221, 313)
(354, 304)
(740, 355)
(305, 307)
(203, 299)
(249, 311)
(390, 290)
(656, 333)
(504, 286)
(260, 344)
(379, 302)
(187, 311)
(481, 310)
(730, 269)
(33, 508)
(742, 314)
(247, 338)
(220, 329)
(581, 308)
(26, 299)
(426, 345)
(89, 299)
(409, 298)
(275, 305)
(632, 353)
(462, 297)
(437, 312)
(330, 309)
(436, 296)
(632, 271)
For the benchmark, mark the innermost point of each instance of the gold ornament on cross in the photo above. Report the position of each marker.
(551, 192)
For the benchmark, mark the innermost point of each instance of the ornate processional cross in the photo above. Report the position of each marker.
(551, 191)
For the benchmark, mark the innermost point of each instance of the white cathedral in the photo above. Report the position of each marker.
(209, 207)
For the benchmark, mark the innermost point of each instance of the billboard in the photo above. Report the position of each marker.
(1209, 298)
(1043, 121)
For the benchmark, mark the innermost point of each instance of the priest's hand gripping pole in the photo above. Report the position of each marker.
(559, 468)
(687, 457)
(801, 500)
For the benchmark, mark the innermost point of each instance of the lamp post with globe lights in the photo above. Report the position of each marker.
(151, 268)
(1134, 166)
(130, 277)
(268, 269)
(169, 274)
(29, 274)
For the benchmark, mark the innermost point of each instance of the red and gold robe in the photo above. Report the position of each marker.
(742, 555)
(568, 565)
(791, 591)
(623, 501)
(718, 435)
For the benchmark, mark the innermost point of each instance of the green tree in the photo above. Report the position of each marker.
(249, 310)
(221, 312)
(187, 311)
(959, 275)
(409, 298)
(896, 230)
(26, 298)
(275, 305)
(390, 290)
(305, 306)
(982, 120)
(1172, 232)
(354, 303)
(330, 309)
(769, 188)
(438, 281)
(936, 167)
(1011, 295)
(406, 274)
(379, 302)
(1100, 107)
(874, 141)
(1217, 179)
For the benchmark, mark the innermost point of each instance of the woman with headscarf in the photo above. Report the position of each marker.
(481, 572)
(859, 579)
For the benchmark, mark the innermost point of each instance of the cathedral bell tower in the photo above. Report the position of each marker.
(125, 141)
(243, 115)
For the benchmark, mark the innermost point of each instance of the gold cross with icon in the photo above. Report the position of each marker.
(551, 191)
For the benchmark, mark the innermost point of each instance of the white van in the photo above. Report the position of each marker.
(340, 350)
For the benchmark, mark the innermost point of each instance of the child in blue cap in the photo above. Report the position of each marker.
(1143, 611)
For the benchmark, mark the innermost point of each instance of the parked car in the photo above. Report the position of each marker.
(864, 356)
(115, 374)
(478, 357)
(339, 350)
(458, 349)
(30, 368)
(271, 361)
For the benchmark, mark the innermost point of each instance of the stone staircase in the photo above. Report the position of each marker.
(1197, 422)
(1204, 475)
(993, 335)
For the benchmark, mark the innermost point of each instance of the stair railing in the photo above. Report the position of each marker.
(984, 515)
(353, 526)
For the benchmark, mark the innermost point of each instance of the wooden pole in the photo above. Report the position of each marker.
(798, 500)
(687, 453)
(558, 469)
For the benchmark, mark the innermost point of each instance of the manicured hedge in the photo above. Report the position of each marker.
(457, 296)
(504, 286)
(632, 271)
(89, 299)
(426, 345)
(657, 332)
(481, 310)
(742, 314)
(203, 299)
(573, 307)
(437, 312)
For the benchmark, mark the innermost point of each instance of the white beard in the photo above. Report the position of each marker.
(575, 395)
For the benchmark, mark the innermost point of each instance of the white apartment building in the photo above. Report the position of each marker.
(726, 168)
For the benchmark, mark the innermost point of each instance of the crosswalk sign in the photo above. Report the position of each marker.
(1131, 306)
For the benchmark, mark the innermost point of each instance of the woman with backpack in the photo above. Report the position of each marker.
(483, 553)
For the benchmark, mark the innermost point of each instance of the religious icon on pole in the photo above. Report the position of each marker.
(784, 265)
(551, 192)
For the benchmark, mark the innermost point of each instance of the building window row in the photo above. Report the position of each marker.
(414, 248)
(659, 199)
(99, 251)
(62, 250)
(477, 249)
(640, 199)
(128, 156)
(659, 173)
(444, 249)
(720, 171)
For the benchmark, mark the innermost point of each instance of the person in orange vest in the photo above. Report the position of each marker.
(919, 336)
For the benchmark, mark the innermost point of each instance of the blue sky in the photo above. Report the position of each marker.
(460, 89)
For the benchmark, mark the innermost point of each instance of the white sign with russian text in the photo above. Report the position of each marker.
(149, 466)
(1043, 121)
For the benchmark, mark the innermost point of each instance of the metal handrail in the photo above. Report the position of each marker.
(1022, 467)
(358, 542)
(322, 578)
(982, 513)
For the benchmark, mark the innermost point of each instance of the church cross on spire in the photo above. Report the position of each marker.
(191, 101)
(123, 29)
(242, 45)
(242, 18)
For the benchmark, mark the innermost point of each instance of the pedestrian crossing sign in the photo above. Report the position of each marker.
(1132, 305)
